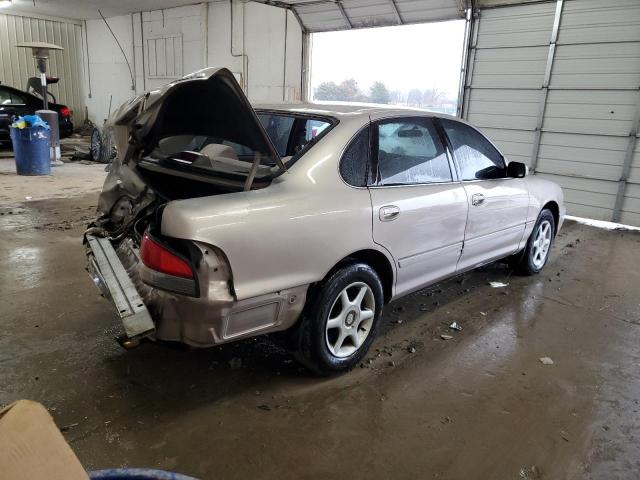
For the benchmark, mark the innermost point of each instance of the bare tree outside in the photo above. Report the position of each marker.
(379, 93)
(349, 91)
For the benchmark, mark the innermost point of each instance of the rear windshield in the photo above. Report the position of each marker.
(290, 134)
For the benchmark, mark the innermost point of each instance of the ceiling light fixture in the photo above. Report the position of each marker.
(5, 3)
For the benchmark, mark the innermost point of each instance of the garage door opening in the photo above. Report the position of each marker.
(411, 65)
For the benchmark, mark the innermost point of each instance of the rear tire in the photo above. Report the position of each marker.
(534, 257)
(340, 320)
(101, 149)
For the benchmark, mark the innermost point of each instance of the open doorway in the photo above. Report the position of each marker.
(409, 65)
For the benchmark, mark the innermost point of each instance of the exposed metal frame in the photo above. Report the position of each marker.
(344, 13)
(303, 27)
(394, 5)
(464, 62)
(305, 79)
(628, 158)
(471, 60)
(544, 92)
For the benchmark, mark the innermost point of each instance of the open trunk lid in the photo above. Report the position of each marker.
(162, 138)
(207, 103)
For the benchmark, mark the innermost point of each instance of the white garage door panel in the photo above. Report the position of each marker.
(507, 27)
(630, 218)
(517, 121)
(578, 168)
(586, 197)
(564, 122)
(17, 64)
(590, 104)
(591, 21)
(583, 184)
(501, 108)
(514, 144)
(631, 205)
(585, 154)
(322, 16)
(590, 111)
(520, 61)
(611, 65)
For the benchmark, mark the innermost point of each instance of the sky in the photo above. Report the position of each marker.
(405, 57)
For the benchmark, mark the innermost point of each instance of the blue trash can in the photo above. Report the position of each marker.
(136, 474)
(31, 149)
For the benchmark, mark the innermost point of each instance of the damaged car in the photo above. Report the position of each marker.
(220, 221)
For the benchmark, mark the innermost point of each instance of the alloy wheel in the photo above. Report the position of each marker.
(541, 244)
(350, 319)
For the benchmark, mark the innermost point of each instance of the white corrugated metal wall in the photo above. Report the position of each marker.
(17, 64)
(566, 101)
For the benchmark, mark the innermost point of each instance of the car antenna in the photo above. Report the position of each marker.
(133, 82)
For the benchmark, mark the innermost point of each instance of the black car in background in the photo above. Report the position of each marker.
(14, 102)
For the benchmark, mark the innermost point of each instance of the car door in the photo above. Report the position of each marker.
(497, 204)
(419, 207)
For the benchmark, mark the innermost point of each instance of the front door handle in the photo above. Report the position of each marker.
(388, 213)
(477, 199)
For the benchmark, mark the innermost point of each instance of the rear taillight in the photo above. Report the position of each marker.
(65, 112)
(161, 259)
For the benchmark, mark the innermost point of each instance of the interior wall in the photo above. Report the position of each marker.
(107, 80)
(204, 34)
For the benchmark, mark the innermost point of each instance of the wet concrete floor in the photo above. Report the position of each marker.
(480, 405)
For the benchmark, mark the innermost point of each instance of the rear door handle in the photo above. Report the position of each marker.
(388, 213)
(477, 199)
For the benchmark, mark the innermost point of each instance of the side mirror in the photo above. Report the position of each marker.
(516, 170)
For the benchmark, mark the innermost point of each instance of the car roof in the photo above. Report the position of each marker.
(339, 109)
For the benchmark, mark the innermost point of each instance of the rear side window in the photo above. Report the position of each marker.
(410, 152)
(354, 166)
(278, 127)
(290, 134)
(474, 154)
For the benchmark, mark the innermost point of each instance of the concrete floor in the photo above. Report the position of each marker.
(478, 406)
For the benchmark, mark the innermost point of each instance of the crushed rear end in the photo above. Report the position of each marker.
(196, 137)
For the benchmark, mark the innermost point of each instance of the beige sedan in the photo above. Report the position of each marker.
(219, 221)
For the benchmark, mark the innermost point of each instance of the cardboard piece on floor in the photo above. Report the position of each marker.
(32, 447)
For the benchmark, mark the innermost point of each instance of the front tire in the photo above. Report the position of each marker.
(341, 320)
(536, 253)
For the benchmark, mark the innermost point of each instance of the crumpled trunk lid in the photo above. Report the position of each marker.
(210, 103)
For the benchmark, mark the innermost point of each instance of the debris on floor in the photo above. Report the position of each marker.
(455, 326)
(446, 337)
(498, 284)
(546, 361)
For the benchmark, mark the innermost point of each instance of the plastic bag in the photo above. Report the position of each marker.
(30, 121)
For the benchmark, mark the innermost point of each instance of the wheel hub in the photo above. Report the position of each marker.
(350, 319)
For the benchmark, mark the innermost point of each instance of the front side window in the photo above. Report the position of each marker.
(474, 154)
(410, 152)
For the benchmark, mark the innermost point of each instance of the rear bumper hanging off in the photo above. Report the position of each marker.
(111, 278)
